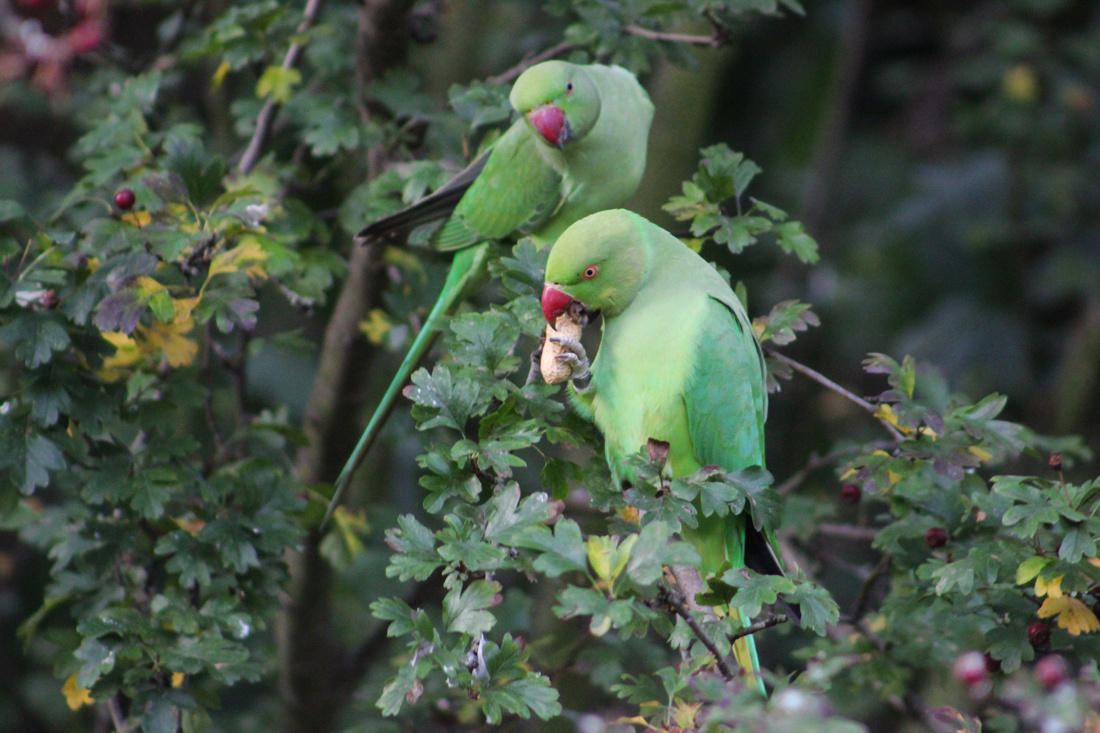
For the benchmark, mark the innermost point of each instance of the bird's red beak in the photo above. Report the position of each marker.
(554, 303)
(549, 121)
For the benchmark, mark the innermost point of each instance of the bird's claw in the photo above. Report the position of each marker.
(576, 358)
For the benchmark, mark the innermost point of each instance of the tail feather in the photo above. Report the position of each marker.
(744, 651)
(466, 267)
(436, 205)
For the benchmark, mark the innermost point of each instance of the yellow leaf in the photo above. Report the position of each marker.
(376, 326)
(127, 353)
(249, 256)
(177, 679)
(168, 337)
(1073, 615)
(1020, 83)
(76, 697)
(608, 557)
(983, 455)
(190, 526)
(351, 526)
(183, 308)
(1044, 587)
(695, 245)
(137, 218)
(277, 82)
(599, 625)
(886, 413)
(1094, 561)
(894, 477)
(683, 714)
(219, 75)
(847, 474)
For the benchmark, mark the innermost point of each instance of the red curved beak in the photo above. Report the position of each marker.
(549, 121)
(554, 303)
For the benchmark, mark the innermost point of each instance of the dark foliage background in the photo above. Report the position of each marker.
(162, 564)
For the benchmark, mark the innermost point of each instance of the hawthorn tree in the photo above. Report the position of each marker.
(191, 342)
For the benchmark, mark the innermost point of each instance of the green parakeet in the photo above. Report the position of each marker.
(678, 362)
(578, 147)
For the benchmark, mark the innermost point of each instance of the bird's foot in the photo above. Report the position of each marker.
(577, 359)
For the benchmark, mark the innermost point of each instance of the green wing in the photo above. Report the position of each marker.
(517, 190)
(726, 397)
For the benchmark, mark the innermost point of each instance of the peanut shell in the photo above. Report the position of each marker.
(554, 371)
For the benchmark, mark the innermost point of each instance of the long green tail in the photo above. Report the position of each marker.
(467, 267)
(720, 540)
(744, 651)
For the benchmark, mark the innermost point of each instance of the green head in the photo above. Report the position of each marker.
(559, 100)
(601, 262)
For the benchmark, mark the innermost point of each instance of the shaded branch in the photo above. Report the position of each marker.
(522, 66)
(830, 384)
(770, 621)
(715, 40)
(848, 531)
(674, 602)
(266, 117)
(815, 462)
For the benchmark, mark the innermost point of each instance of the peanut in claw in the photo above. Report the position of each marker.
(553, 370)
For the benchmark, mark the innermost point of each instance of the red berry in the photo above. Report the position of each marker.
(1038, 634)
(936, 537)
(85, 37)
(992, 664)
(850, 493)
(969, 668)
(1051, 671)
(125, 199)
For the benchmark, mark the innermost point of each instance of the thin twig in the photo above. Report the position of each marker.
(830, 384)
(865, 589)
(712, 40)
(848, 531)
(522, 66)
(815, 462)
(267, 114)
(770, 621)
(116, 715)
(675, 603)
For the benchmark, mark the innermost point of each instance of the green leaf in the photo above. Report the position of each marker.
(562, 550)
(36, 338)
(10, 210)
(464, 608)
(529, 694)
(277, 82)
(755, 590)
(817, 607)
(160, 716)
(445, 397)
(414, 544)
(1030, 568)
(28, 456)
(509, 518)
(97, 660)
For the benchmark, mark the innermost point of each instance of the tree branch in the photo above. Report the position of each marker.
(266, 117)
(770, 621)
(714, 40)
(815, 462)
(830, 384)
(522, 66)
(674, 602)
(317, 673)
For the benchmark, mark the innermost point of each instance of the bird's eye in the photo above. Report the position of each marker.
(569, 87)
(590, 272)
